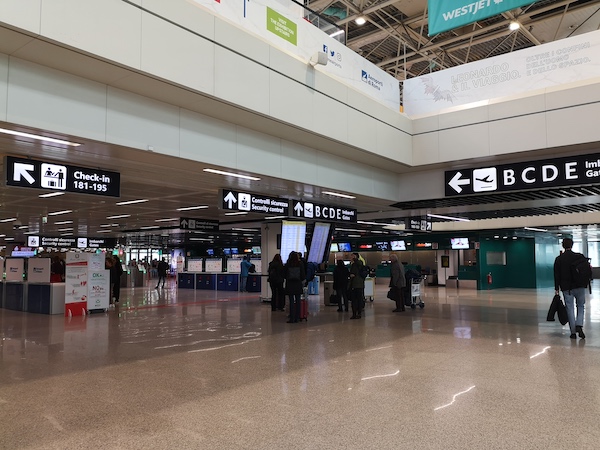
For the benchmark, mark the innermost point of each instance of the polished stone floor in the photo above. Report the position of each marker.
(173, 369)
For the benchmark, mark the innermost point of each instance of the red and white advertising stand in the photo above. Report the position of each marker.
(87, 283)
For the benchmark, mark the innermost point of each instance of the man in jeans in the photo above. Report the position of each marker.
(563, 280)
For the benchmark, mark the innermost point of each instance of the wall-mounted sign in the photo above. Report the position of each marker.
(309, 210)
(418, 224)
(549, 173)
(51, 176)
(256, 203)
(186, 223)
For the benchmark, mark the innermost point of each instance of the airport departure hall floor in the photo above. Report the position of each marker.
(173, 369)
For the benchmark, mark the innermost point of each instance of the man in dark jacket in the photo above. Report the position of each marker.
(563, 280)
(357, 286)
(397, 282)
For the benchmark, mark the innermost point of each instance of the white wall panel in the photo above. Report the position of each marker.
(385, 185)
(344, 175)
(241, 42)
(464, 142)
(241, 81)
(393, 143)
(360, 130)
(298, 163)
(258, 152)
(3, 86)
(330, 86)
(330, 118)
(53, 100)
(425, 124)
(576, 94)
(291, 101)
(516, 107)
(187, 14)
(140, 122)
(110, 28)
(463, 117)
(574, 125)
(291, 67)
(518, 134)
(23, 14)
(206, 139)
(175, 54)
(426, 149)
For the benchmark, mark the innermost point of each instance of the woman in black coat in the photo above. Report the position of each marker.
(294, 284)
(276, 278)
(340, 284)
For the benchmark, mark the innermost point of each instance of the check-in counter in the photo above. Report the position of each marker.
(228, 282)
(253, 284)
(15, 296)
(46, 298)
(186, 280)
(206, 281)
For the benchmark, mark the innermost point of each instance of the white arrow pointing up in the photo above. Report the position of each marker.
(456, 182)
(22, 170)
(298, 208)
(230, 200)
(184, 223)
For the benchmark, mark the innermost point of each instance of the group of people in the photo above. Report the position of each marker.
(290, 278)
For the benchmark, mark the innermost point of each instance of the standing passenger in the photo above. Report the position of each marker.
(117, 269)
(162, 272)
(244, 268)
(276, 274)
(357, 286)
(340, 284)
(397, 282)
(294, 284)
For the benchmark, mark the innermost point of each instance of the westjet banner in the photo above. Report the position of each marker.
(447, 15)
(559, 62)
(282, 24)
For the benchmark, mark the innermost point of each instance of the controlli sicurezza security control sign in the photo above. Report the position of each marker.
(61, 177)
(309, 210)
(549, 173)
(244, 201)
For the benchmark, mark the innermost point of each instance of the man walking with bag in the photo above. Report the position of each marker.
(572, 275)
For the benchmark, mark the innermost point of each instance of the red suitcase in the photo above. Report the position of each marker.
(303, 309)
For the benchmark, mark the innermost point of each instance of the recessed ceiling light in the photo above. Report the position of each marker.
(51, 194)
(9, 239)
(39, 138)
(354, 235)
(103, 231)
(65, 229)
(236, 213)
(337, 33)
(153, 227)
(189, 208)
(370, 223)
(231, 174)
(2, 235)
(131, 202)
(66, 234)
(63, 222)
(12, 219)
(58, 213)
(31, 232)
(535, 229)
(337, 194)
(167, 220)
(199, 239)
(275, 217)
(244, 229)
(122, 216)
(514, 25)
(360, 20)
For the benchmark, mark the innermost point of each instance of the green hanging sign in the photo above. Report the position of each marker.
(447, 15)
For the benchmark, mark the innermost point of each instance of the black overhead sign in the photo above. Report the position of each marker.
(186, 223)
(418, 224)
(309, 210)
(51, 176)
(549, 173)
(71, 242)
(256, 203)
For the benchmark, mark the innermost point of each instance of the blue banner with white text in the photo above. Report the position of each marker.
(447, 15)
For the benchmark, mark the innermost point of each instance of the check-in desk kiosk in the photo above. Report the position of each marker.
(253, 284)
(185, 280)
(15, 289)
(228, 281)
(206, 281)
(42, 296)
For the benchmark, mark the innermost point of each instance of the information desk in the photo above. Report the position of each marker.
(217, 281)
(46, 298)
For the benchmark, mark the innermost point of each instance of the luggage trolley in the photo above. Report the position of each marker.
(416, 290)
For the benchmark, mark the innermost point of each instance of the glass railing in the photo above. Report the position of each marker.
(323, 24)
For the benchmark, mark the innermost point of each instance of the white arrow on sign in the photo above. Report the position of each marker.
(456, 182)
(22, 171)
(298, 208)
(230, 200)
(184, 223)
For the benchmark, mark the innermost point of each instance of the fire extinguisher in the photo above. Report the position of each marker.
(489, 278)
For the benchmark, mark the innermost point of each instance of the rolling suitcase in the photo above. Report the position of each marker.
(304, 306)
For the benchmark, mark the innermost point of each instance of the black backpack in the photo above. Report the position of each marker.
(581, 271)
(252, 268)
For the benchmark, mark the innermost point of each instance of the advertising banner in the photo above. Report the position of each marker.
(98, 289)
(282, 24)
(76, 281)
(564, 61)
(444, 16)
